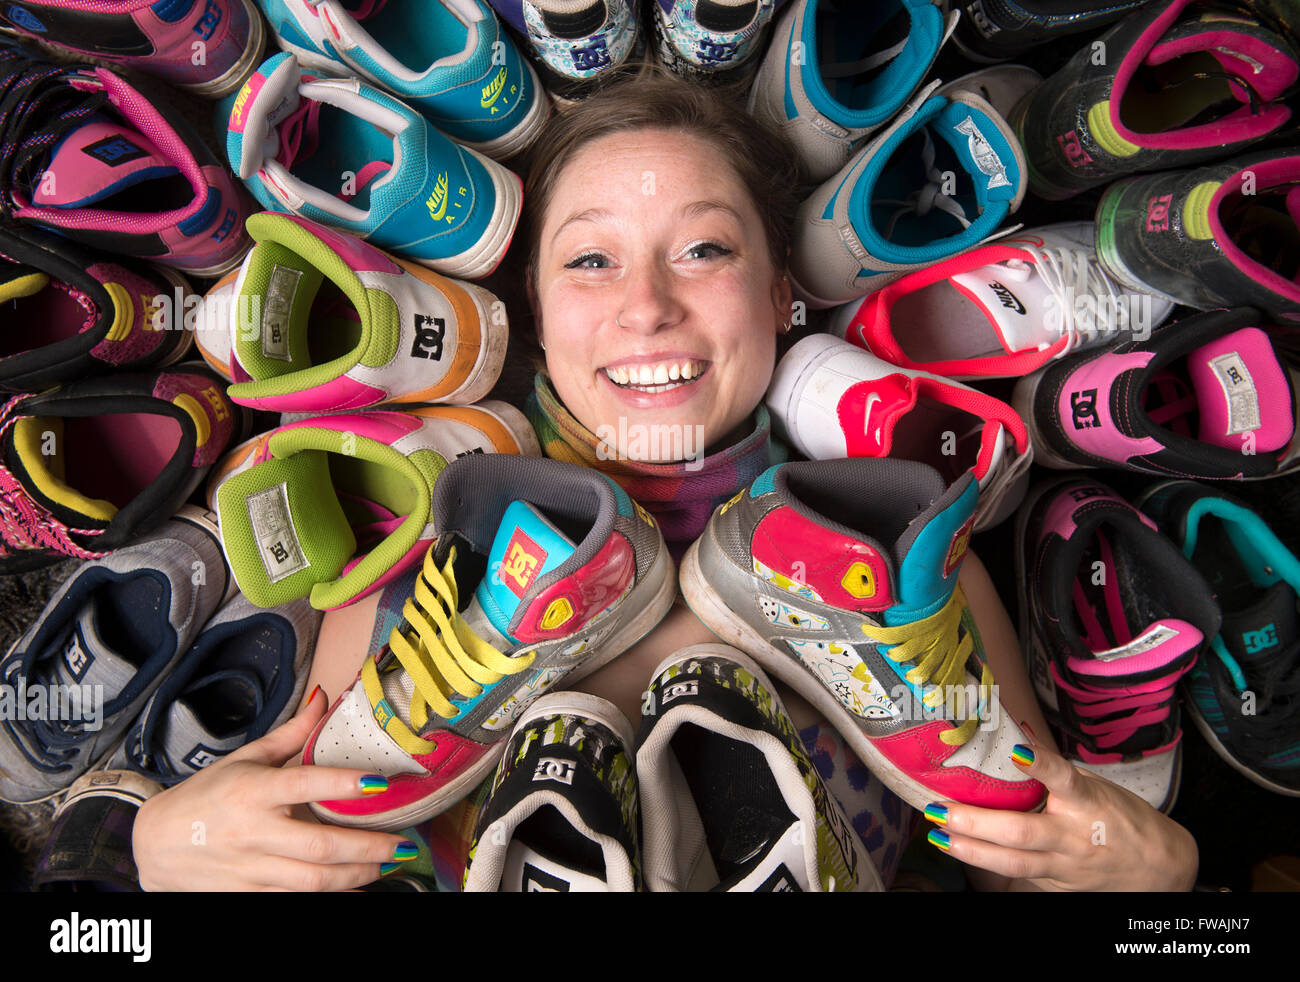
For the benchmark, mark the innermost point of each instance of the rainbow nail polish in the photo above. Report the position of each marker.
(386, 868)
(937, 814)
(405, 851)
(1022, 754)
(374, 784)
(938, 837)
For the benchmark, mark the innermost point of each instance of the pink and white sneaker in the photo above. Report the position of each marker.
(321, 321)
(1206, 397)
(334, 507)
(835, 400)
(206, 46)
(543, 572)
(99, 162)
(1001, 310)
(1111, 617)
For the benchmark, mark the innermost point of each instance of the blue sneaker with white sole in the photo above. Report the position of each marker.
(939, 180)
(243, 677)
(450, 60)
(344, 154)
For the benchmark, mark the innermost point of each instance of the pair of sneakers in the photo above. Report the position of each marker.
(1123, 605)
(148, 660)
(717, 792)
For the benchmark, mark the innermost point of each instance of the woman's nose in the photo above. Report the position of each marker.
(649, 301)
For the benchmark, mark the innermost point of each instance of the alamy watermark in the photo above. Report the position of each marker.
(651, 443)
(52, 703)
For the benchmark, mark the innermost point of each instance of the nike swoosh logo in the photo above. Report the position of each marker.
(871, 403)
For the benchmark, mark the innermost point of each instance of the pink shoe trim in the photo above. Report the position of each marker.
(412, 557)
(342, 393)
(1089, 757)
(920, 754)
(588, 590)
(1101, 437)
(1269, 173)
(359, 255)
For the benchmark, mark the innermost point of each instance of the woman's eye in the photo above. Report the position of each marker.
(589, 260)
(707, 250)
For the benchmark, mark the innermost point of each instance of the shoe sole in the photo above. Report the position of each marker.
(719, 619)
(455, 790)
(177, 281)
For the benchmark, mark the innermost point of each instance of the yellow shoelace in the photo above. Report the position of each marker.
(940, 659)
(443, 656)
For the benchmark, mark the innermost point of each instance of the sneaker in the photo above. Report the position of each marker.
(69, 313)
(243, 677)
(91, 465)
(731, 801)
(862, 616)
(1206, 397)
(1225, 235)
(560, 573)
(334, 507)
(339, 152)
(715, 41)
(97, 160)
(447, 59)
(1244, 693)
(1111, 617)
(576, 46)
(562, 814)
(836, 72)
(101, 647)
(894, 208)
(826, 395)
(319, 321)
(161, 39)
(1002, 310)
(1001, 30)
(1185, 84)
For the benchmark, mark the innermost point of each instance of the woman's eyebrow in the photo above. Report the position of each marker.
(693, 210)
(587, 215)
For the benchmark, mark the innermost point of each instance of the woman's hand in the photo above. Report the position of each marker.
(231, 825)
(1091, 835)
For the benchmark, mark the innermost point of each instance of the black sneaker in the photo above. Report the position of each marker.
(1175, 87)
(1206, 397)
(1244, 694)
(68, 313)
(730, 799)
(1111, 617)
(999, 30)
(562, 813)
(1224, 235)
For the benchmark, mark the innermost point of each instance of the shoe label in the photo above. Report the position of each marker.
(1239, 390)
(277, 541)
(982, 152)
(1154, 638)
(280, 293)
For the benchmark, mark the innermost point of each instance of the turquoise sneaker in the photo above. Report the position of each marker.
(342, 153)
(450, 60)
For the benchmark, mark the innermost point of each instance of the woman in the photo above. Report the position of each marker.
(657, 242)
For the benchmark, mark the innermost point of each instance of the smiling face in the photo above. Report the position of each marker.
(657, 298)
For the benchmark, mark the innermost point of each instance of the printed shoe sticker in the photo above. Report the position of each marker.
(277, 539)
(1239, 391)
(841, 670)
(519, 700)
(280, 292)
(982, 152)
(779, 612)
(785, 583)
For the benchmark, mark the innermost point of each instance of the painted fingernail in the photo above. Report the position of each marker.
(405, 851)
(937, 814)
(938, 837)
(386, 868)
(318, 691)
(374, 784)
(1022, 755)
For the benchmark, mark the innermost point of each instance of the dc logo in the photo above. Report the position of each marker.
(678, 689)
(1083, 407)
(113, 151)
(201, 756)
(592, 57)
(1261, 640)
(1073, 149)
(554, 769)
(1158, 213)
(429, 332)
(77, 659)
(714, 53)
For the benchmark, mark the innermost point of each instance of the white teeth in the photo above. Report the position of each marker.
(661, 375)
(675, 372)
(688, 370)
(656, 378)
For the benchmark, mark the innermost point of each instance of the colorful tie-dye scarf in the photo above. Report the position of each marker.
(681, 496)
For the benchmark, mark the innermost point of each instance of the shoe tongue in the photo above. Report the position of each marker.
(1254, 636)
(528, 870)
(1013, 298)
(526, 547)
(1237, 377)
(1161, 645)
(930, 552)
(188, 743)
(778, 865)
(88, 659)
(94, 162)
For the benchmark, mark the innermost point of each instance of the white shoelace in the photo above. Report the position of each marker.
(1090, 302)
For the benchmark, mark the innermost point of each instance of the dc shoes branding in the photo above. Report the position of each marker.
(25, 19)
(781, 881)
(554, 769)
(1239, 390)
(429, 334)
(523, 559)
(75, 656)
(277, 540)
(114, 151)
(982, 152)
(1083, 409)
(201, 756)
(280, 292)
(1256, 641)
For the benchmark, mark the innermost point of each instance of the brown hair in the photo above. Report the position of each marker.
(760, 155)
